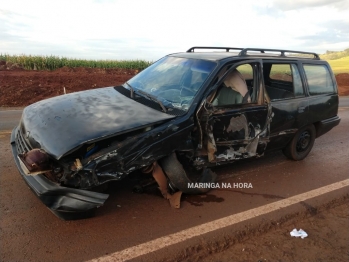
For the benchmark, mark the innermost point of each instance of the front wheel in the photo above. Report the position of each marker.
(301, 144)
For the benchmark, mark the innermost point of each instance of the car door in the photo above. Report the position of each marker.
(289, 102)
(236, 127)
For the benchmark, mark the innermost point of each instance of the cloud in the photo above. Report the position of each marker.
(301, 4)
(338, 26)
(107, 29)
(334, 33)
(327, 36)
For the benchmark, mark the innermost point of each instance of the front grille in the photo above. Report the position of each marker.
(21, 144)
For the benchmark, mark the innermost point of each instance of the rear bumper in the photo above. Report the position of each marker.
(66, 203)
(326, 125)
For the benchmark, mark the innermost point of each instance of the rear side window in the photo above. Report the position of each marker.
(319, 79)
(281, 72)
(283, 81)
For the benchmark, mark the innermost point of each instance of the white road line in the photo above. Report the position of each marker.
(159, 243)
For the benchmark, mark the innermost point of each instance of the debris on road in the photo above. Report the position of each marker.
(298, 233)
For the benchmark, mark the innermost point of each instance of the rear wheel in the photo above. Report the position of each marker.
(301, 144)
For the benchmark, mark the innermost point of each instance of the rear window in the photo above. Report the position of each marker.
(319, 79)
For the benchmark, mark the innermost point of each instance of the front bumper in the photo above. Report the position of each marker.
(66, 203)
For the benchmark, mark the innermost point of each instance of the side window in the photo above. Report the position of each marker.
(281, 72)
(283, 81)
(246, 71)
(319, 79)
(237, 87)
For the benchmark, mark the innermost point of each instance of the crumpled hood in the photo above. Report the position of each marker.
(63, 123)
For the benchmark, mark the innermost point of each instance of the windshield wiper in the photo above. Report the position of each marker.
(153, 98)
(131, 89)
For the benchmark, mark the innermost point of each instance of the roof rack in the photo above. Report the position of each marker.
(282, 52)
(213, 47)
(244, 51)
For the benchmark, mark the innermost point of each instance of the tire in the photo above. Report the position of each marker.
(301, 144)
(179, 179)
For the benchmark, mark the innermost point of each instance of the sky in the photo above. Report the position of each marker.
(149, 30)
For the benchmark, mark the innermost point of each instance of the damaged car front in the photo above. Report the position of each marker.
(67, 146)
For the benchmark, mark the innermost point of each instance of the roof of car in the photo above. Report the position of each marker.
(220, 53)
(214, 56)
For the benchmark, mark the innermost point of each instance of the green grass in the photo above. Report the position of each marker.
(332, 55)
(30, 62)
(340, 65)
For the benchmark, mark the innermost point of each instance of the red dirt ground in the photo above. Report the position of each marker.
(343, 84)
(19, 87)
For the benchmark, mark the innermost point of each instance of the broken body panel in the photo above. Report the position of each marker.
(84, 117)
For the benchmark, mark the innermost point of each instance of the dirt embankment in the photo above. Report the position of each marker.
(19, 87)
(343, 84)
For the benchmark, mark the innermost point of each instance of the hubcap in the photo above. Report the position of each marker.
(303, 141)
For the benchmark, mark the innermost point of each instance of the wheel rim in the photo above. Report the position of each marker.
(303, 141)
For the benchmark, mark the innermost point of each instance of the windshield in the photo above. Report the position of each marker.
(173, 81)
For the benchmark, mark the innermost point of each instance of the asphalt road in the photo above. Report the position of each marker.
(344, 101)
(30, 232)
(9, 118)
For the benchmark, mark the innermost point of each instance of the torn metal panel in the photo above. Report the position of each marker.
(237, 135)
(251, 148)
(161, 179)
(229, 155)
(211, 147)
(135, 152)
(175, 199)
(238, 123)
